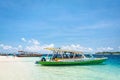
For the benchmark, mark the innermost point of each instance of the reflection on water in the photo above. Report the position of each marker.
(26, 69)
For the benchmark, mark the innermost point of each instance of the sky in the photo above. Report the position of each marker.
(88, 25)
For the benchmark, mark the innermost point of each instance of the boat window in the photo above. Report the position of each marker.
(88, 56)
(57, 56)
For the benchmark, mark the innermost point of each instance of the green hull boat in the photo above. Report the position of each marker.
(69, 57)
(82, 62)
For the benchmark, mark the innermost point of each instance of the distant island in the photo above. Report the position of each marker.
(107, 53)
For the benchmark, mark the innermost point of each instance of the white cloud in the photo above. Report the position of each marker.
(104, 49)
(31, 41)
(33, 48)
(23, 39)
(5, 47)
(34, 41)
(38, 48)
(77, 47)
(19, 47)
(46, 46)
(34, 45)
(119, 47)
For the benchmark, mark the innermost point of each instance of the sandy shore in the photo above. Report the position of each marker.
(9, 58)
(13, 68)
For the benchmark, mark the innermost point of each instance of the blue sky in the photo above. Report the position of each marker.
(89, 23)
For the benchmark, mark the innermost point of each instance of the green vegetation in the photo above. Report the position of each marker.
(108, 53)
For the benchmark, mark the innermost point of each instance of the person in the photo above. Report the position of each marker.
(43, 59)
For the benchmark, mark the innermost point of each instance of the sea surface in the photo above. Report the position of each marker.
(14, 68)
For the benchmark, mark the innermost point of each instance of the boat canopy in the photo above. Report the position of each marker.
(64, 50)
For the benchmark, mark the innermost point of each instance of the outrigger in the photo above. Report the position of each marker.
(69, 57)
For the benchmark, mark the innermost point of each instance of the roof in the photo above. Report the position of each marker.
(64, 50)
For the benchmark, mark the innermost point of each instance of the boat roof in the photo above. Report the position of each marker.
(64, 50)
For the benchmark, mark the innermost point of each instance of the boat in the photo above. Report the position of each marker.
(61, 57)
(28, 54)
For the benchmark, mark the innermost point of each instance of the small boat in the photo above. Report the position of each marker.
(28, 54)
(69, 57)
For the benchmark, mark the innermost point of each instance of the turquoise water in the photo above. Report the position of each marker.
(26, 69)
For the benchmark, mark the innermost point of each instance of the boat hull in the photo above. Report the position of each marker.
(84, 62)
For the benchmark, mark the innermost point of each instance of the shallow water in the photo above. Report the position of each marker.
(25, 69)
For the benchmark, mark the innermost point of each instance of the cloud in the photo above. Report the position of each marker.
(5, 47)
(34, 41)
(119, 47)
(104, 49)
(34, 46)
(38, 48)
(23, 39)
(8, 48)
(20, 47)
(77, 47)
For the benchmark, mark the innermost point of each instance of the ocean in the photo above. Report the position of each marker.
(14, 68)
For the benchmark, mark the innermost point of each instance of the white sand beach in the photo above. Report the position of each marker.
(14, 68)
